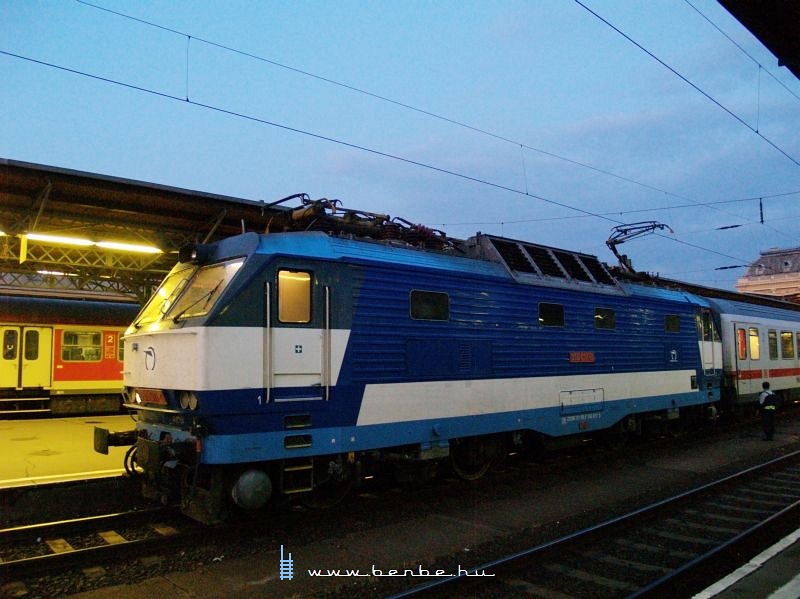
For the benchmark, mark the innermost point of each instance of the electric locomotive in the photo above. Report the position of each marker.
(61, 355)
(283, 364)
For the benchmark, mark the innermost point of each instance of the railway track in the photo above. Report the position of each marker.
(89, 541)
(674, 547)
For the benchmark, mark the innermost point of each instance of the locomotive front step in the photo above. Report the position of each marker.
(297, 476)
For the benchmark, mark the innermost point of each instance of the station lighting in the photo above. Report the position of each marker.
(77, 241)
(128, 247)
(60, 239)
(56, 273)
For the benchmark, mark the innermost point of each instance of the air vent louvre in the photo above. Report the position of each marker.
(551, 265)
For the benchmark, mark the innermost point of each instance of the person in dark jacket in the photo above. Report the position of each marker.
(767, 403)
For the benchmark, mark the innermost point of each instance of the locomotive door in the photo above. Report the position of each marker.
(710, 343)
(297, 344)
(747, 354)
(26, 357)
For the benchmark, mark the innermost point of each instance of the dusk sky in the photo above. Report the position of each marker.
(536, 119)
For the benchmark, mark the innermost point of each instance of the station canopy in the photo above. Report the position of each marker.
(75, 233)
(776, 24)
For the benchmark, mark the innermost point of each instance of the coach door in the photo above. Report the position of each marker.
(26, 357)
(298, 338)
(748, 358)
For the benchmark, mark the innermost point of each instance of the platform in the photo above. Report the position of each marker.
(37, 452)
(774, 573)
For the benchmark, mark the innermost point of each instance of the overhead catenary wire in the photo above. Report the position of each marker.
(483, 131)
(642, 210)
(689, 82)
(343, 143)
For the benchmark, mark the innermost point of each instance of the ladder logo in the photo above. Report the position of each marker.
(286, 566)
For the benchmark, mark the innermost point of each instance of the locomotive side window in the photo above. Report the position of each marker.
(120, 349)
(31, 345)
(10, 345)
(551, 315)
(787, 345)
(294, 296)
(429, 305)
(79, 346)
(741, 344)
(672, 323)
(755, 349)
(772, 340)
(604, 318)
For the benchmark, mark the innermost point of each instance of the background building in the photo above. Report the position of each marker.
(775, 273)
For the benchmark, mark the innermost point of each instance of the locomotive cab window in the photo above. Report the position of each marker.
(294, 296)
(162, 300)
(429, 305)
(204, 289)
(706, 327)
(81, 346)
(551, 315)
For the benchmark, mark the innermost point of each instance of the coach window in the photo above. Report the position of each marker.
(429, 305)
(755, 349)
(741, 344)
(79, 346)
(31, 345)
(604, 318)
(672, 323)
(551, 315)
(772, 340)
(10, 345)
(294, 296)
(787, 345)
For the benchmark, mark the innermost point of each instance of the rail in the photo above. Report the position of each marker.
(48, 546)
(664, 549)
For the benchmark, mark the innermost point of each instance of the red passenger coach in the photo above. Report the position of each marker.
(60, 355)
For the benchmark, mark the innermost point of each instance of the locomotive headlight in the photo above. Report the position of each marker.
(187, 400)
(137, 397)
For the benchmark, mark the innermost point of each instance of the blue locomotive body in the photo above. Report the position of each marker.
(275, 364)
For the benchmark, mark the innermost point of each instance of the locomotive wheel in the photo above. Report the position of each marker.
(472, 457)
